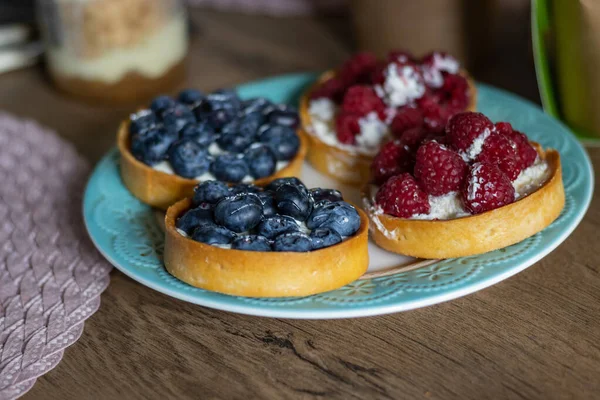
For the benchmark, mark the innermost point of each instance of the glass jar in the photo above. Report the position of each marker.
(115, 50)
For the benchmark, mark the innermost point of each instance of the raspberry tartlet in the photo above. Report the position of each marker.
(351, 112)
(479, 187)
(176, 143)
(277, 241)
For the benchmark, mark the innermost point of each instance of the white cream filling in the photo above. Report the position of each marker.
(213, 149)
(531, 178)
(450, 206)
(301, 224)
(151, 58)
(447, 206)
(373, 131)
(181, 232)
(401, 85)
(322, 109)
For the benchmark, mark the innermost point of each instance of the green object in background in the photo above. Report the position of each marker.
(543, 32)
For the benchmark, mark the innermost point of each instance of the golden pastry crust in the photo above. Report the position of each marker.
(159, 189)
(474, 234)
(341, 164)
(263, 274)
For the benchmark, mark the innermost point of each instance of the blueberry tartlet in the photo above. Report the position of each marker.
(176, 143)
(475, 188)
(350, 112)
(274, 241)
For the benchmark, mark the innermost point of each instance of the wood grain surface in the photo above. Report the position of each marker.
(534, 336)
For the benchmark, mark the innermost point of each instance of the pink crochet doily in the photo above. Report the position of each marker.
(51, 276)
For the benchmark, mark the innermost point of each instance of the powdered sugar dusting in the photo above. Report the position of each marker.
(432, 74)
(474, 182)
(476, 147)
(372, 132)
(445, 63)
(402, 85)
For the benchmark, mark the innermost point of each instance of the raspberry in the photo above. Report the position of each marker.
(401, 196)
(501, 151)
(347, 127)
(435, 116)
(503, 128)
(438, 169)
(526, 154)
(486, 188)
(361, 100)
(406, 118)
(456, 89)
(400, 56)
(413, 137)
(378, 74)
(358, 68)
(332, 89)
(464, 128)
(393, 159)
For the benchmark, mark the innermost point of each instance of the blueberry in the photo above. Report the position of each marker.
(229, 168)
(284, 117)
(210, 192)
(213, 234)
(268, 202)
(251, 243)
(225, 96)
(151, 147)
(276, 183)
(283, 140)
(233, 140)
(176, 117)
(202, 133)
(294, 201)
(294, 241)
(194, 218)
(324, 196)
(261, 161)
(188, 158)
(276, 225)
(239, 213)
(218, 118)
(244, 188)
(255, 105)
(324, 237)
(142, 121)
(190, 96)
(218, 108)
(161, 103)
(339, 216)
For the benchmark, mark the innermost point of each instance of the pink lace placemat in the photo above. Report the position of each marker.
(51, 276)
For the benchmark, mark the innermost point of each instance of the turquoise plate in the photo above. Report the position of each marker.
(127, 232)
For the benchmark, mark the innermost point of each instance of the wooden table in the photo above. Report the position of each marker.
(534, 336)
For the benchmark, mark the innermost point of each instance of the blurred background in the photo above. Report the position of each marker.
(78, 84)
